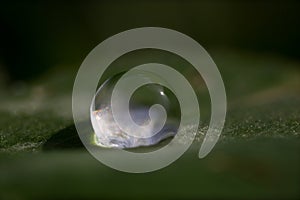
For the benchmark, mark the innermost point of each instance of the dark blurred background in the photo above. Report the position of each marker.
(36, 36)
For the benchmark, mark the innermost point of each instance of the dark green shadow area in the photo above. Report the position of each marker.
(261, 168)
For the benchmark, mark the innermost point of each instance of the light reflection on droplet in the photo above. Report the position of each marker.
(107, 132)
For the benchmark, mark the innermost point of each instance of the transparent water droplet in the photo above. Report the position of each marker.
(107, 131)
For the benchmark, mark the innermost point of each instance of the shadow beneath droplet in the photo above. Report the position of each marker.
(66, 138)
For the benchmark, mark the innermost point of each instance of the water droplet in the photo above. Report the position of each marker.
(107, 131)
